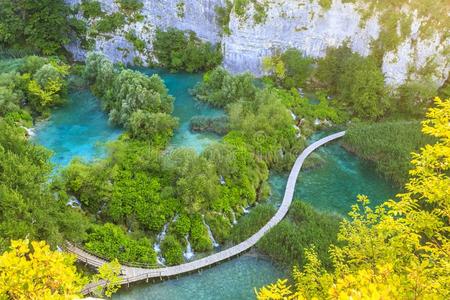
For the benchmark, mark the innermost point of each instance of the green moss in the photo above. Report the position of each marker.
(240, 8)
(181, 227)
(223, 16)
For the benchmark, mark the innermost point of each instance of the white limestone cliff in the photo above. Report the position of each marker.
(302, 24)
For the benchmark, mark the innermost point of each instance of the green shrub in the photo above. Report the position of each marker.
(154, 127)
(42, 26)
(91, 9)
(130, 5)
(357, 82)
(220, 227)
(110, 241)
(181, 227)
(220, 88)
(289, 69)
(257, 218)
(199, 235)
(304, 227)
(138, 44)
(177, 50)
(172, 251)
(302, 107)
(110, 23)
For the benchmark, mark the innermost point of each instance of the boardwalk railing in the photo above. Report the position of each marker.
(133, 274)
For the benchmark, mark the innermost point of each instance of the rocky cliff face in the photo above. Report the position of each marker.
(302, 24)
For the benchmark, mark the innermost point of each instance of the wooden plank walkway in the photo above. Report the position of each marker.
(134, 274)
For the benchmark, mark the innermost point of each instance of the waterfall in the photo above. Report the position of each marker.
(234, 217)
(246, 210)
(294, 117)
(157, 246)
(188, 254)
(30, 131)
(211, 237)
(73, 202)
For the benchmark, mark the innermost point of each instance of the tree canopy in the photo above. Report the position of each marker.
(398, 250)
(30, 270)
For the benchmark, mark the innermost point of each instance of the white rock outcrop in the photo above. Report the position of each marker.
(302, 24)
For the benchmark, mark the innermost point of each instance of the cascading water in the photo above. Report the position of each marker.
(30, 131)
(73, 202)
(234, 217)
(188, 254)
(157, 246)
(211, 237)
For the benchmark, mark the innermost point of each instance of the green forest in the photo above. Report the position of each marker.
(145, 192)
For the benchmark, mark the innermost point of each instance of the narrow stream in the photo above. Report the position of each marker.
(80, 128)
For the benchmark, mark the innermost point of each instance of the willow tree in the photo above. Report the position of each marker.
(401, 249)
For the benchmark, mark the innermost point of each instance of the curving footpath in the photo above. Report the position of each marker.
(134, 274)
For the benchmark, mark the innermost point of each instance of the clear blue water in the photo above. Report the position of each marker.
(235, 279)
(334, 186)
(185, 107)
(78, 129)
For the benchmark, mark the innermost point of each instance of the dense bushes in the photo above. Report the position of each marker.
(172, 251)
(303, 227)
(267, 128)
(110, 241)
(199, 235)
(127, 188)
(28, 208)
(289, 69)
(180, 51)
(249, 225)
(388, 145)
(44, 25)
(33, 86)
(357, 82)
(139, 103)
(220, 88)
(304, 109)
(257, 117)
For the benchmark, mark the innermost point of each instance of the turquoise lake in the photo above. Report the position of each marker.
(80, 128)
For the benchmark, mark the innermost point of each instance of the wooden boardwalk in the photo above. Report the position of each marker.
(134, 274)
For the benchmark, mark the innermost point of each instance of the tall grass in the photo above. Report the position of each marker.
(304, 227)
(388, 145)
